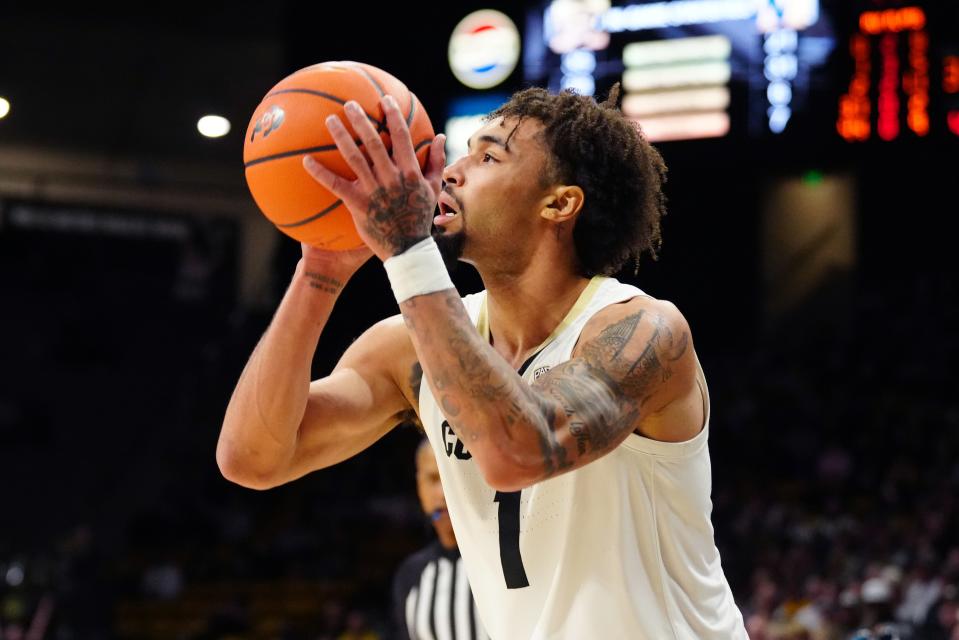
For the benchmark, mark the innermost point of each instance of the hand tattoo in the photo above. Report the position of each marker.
(399, 216)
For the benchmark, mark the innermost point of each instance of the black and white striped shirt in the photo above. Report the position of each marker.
(432, 598)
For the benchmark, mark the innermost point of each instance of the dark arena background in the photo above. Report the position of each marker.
(813, 153)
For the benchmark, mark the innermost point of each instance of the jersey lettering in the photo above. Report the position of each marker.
(454, 446)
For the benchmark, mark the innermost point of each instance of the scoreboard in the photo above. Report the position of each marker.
(847, 70)
(903, 82)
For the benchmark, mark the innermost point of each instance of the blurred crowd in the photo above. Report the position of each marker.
(837, 475)
(835, 480)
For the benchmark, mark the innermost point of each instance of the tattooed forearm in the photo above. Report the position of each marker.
(400, 216)
(416, 378)
(591, 404)
(323, 282)
(554, 454)
(473, 385)
(576, 412)
(487, 379)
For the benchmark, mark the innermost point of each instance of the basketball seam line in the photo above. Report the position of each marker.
(371, 79)
(333, 206)
(326, 147)
(286, 154)
(311, 92)
(311, 218)
(380, 124)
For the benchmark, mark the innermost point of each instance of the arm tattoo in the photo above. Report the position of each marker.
(483, 382)
(323, 282)
(589, 399)
(604, 390)
(399, 216)
(655, 361)
(554, 453)
(598, 396)
(416, 378)
(410, 416)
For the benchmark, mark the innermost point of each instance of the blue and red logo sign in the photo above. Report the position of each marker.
(484, 49)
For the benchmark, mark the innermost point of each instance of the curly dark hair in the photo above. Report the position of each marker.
(594, 146)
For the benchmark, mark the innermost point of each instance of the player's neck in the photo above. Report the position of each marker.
(524, 308)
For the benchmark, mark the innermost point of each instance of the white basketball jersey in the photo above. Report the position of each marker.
(621, 548)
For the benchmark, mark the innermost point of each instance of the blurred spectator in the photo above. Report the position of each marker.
(357, 628)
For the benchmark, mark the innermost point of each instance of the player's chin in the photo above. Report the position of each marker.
(451, 245)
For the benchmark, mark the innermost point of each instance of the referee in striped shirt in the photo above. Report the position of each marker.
(431, 597)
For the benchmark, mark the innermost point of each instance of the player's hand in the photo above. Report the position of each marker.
(392, 201)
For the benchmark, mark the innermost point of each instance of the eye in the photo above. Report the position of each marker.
(488, 158)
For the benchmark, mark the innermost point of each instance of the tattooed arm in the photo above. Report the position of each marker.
(633, 370)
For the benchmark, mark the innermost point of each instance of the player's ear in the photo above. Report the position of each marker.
(563, 203)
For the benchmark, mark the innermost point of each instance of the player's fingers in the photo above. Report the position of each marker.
(382, 165)
(435, 164)
(338, 186)
(403, 152)
(350, 152)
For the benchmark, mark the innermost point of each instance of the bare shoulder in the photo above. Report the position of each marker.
(639, 308)
(644, 346)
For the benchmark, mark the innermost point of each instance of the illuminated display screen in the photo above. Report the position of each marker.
(693, 69)
(903, 83)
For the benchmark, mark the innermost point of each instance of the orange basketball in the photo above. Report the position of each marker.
(290, 122)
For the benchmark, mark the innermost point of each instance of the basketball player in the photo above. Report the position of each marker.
(568, 411)
(431, 594)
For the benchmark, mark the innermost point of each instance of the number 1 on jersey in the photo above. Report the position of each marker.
(509, 555)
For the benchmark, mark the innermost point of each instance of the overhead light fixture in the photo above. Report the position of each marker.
(4, 107)
(213, 126)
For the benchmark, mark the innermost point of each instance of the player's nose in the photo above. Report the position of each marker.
(453, 174)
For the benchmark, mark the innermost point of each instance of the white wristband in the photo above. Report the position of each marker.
(417, 271)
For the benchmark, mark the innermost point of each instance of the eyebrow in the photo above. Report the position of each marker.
(492, 140)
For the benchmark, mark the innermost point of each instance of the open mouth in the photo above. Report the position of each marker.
(447, 210)
(446, 213)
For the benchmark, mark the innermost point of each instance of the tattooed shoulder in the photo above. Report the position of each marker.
(641, 346)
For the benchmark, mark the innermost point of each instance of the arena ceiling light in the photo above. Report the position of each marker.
(484, 49)
(4, 107)
(213, 126)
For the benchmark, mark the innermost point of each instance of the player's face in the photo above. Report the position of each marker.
(492, 196)
(430, 489)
